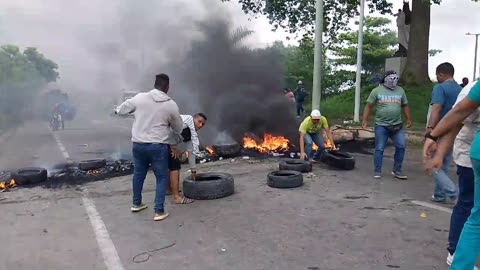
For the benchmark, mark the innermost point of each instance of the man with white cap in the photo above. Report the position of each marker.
(300, 94)
(310, 130)
(390, 100)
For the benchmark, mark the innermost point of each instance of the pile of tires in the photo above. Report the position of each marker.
(209, 186)
(339, 160)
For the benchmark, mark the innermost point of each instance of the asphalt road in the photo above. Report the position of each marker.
(337, 220)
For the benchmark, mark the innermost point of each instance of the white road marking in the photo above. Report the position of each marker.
(105, 243)
(62, 148)
(433, 206)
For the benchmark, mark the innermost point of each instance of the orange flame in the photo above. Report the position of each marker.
(269, 143)
(210, 150)
(9, 184)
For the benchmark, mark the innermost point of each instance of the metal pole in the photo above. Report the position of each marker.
(358, 82)
(476, 52)
(317, 65)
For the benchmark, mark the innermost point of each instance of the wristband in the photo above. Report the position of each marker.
(428, 135)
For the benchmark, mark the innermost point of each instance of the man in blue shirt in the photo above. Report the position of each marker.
(444, 95)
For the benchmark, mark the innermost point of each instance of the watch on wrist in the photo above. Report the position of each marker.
(428, 135)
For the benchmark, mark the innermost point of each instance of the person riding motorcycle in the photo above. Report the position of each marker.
(57, 117)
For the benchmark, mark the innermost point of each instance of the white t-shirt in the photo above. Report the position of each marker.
(463, 141)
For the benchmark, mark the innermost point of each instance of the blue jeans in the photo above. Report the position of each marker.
(461, 211)
(311, 138)
(468, 246)
(381, 137)
(443, 185)
(144, 155)
(300, 109)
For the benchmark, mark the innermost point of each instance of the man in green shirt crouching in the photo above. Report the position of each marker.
(390, 100)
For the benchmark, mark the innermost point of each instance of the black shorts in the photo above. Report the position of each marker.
(174, 164)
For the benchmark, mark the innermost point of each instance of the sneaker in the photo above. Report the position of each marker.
(160, 216)
(450, 260)
(377, 175)
(451, 201)
(138, 208)
(399, 175)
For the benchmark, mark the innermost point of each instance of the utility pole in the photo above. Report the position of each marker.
(358, 82)
(476, 52)
(317, 64)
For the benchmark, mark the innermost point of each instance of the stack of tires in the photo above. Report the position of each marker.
(289, 174)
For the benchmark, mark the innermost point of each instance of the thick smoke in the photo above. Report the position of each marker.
(122, 44)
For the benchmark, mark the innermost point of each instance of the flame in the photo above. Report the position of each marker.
(210, 150)
(9, 184)
(328, 144)
(94, 172)
(269, 143)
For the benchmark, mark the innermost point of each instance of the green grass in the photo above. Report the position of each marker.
(340, 107)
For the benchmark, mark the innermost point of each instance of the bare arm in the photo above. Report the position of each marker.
(366, 114)
(302, 142)
(454, 117)
(406, 112)
(446, 142)
(435, 115)
(330, 136)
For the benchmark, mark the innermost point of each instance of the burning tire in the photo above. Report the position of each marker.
(94, 164)
(339, 160)
(295, 165)
(285, 179)
(30, 176)
(227, 150)
(209, 186)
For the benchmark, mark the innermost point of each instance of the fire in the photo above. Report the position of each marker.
(94, 172)
(269, 143)
(210, 150)
(6, 185)
(328, 144)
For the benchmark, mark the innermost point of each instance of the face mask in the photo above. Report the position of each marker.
(391, 81)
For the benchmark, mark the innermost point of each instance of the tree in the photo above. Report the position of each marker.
(22, 75)
(378, 44)
(297, 15)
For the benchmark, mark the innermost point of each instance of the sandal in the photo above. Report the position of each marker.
(184, 201)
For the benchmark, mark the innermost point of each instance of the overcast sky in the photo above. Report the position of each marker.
(58, 28)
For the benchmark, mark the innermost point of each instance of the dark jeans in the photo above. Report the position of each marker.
(300, 109)
(311, 138)
(144, 155)
(381, 137)
(461, 211)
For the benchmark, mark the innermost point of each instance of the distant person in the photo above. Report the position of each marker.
(311, 132)
(390, 100)
(465, 81)
(376, 79)
(289, 94)
(461, 137)
(300, 94)
(468, 247)
(57, 119)
(156, 114)
(444, 95)
(187, 141)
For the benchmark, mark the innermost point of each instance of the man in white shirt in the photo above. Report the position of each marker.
(189, 142)
(156, 115)
(461, 137)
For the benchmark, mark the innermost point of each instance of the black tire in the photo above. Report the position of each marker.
(339, 160)
(94, 164)
(209, 186)
(295, 165)
(30, 176)
(285, 179)
(227, 150)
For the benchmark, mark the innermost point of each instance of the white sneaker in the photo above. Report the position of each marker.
(450, 260)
